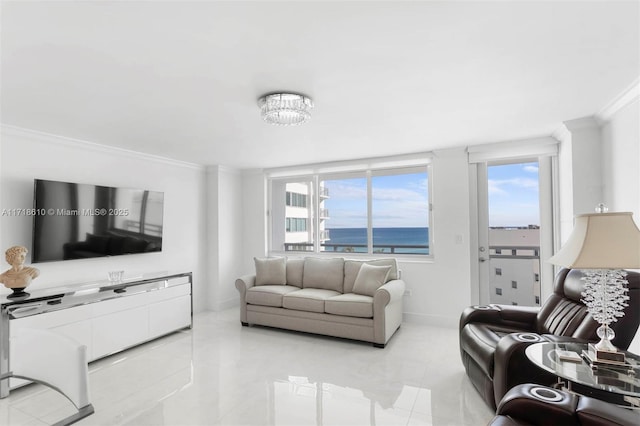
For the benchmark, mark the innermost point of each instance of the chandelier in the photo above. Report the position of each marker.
(285, 109)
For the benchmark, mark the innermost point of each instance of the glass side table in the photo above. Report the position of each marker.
(615, 385)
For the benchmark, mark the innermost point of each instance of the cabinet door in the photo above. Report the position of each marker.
(119, 330)
(169, 315)
(80, 332)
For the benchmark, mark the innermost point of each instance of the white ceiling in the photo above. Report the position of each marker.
(181, 79)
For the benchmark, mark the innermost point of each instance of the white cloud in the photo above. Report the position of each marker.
(502, 186)
(530, 169)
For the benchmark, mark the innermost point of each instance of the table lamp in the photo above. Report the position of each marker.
(603, 244)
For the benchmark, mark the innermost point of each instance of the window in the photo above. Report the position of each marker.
(295, 224)
(346, 201)
(498, 291)
(368, 211)
(292, 225)
(400, 212)
(514, 284)
(498, 271)
(296, 200)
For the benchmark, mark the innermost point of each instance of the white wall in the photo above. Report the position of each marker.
(621, 170)
(442, 289)
(26, 155)
(225, 233)
(621, 160)
(254, 217)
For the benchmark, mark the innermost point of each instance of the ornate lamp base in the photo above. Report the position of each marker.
(605, 356)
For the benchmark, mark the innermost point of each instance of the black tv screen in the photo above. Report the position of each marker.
(79, 221)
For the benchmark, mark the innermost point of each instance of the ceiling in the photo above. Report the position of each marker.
(181, 79)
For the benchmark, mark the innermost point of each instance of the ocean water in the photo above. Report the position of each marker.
(385, 240)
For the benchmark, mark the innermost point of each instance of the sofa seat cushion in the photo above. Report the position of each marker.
(351, 305)
(480, 341)
(308, 299)
(268, 295)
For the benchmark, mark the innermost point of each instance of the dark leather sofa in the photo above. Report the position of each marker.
(536, 405)
(493, 338)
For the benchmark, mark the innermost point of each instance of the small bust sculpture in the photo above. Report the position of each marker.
(19, 276)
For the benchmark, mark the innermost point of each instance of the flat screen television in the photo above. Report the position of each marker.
(79, 221)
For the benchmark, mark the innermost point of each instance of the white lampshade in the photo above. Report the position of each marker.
(601, 241)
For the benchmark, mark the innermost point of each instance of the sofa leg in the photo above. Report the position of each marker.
(244, 324)
(379, 345)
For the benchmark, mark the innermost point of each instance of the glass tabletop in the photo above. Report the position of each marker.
(611, 379)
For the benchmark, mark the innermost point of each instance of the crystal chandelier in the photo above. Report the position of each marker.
(285, 109)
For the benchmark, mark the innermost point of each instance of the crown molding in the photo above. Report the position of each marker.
(581, 123)
(8, 130)
(218, 168)
(561, 134)
(627, 96)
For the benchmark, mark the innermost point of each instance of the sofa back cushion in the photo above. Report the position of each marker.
(271, 270)
(295, 268)
(327, 274)
(352, 267)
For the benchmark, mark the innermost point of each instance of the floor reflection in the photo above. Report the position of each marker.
(220, 373)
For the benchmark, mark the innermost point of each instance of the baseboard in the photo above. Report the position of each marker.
(226, 304)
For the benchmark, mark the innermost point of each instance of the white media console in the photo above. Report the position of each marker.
(107, 317)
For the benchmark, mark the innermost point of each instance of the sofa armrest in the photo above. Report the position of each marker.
(522, 317)
(512, 366)
(244, 283)
(539, 405)
(387, 311)
(389, 292)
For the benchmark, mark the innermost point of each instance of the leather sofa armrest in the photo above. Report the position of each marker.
(539, 405)
(521, 317)
(512, 366)
(525, 315)
(391, 291)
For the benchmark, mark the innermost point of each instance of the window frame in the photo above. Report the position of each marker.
(422, 166)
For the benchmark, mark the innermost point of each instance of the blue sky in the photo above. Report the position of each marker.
(513, 195)
(398, 201)
(402, 201)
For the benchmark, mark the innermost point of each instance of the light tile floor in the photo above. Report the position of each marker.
(220, 373)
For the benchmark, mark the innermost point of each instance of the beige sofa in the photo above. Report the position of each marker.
(360, 300)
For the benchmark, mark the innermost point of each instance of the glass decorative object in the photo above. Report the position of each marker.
(605, 297)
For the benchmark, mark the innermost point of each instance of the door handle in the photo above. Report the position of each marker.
(482, 259)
